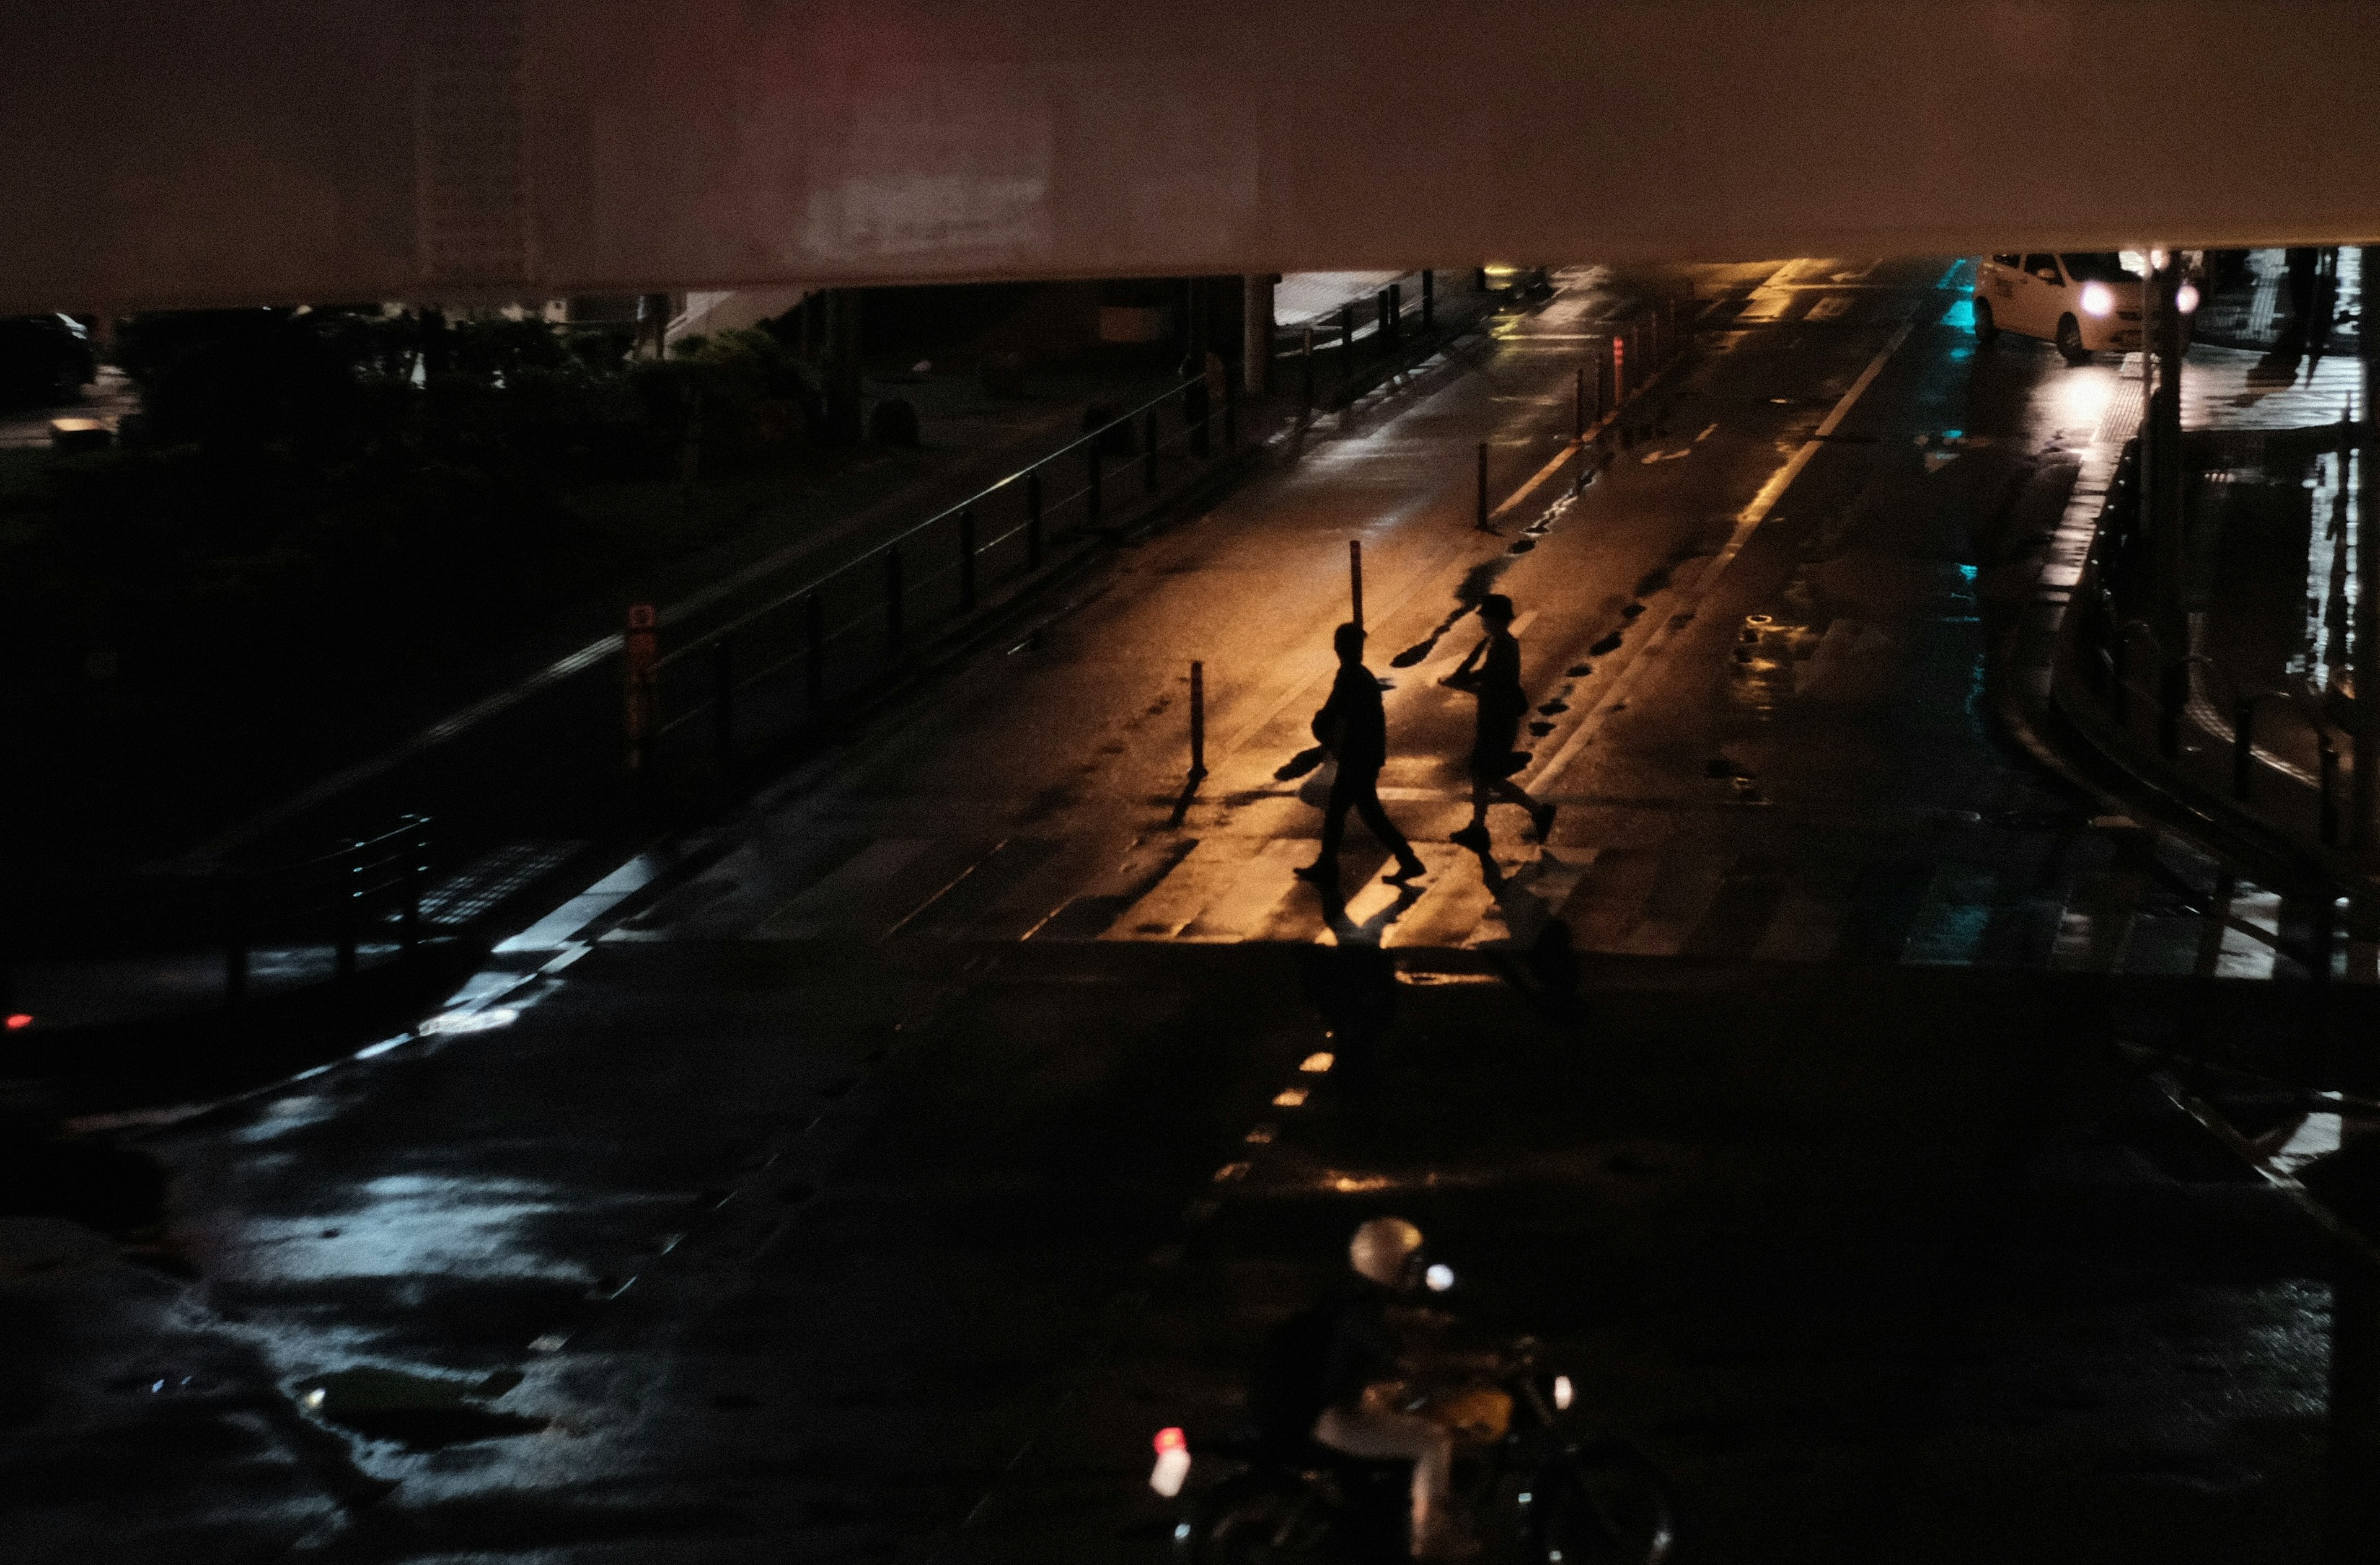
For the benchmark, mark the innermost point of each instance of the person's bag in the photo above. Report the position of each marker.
(1299, 764)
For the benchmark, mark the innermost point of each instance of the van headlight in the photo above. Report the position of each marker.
(2185, 300)
(2096, 299)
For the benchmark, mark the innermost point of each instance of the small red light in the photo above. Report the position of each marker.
(20, 1020)
(1172, 1439)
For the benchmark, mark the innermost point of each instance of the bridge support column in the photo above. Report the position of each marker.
(838, 366)
(1255, 332)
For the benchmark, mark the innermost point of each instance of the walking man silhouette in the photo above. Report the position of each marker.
(1492, 672)
(1355, 728)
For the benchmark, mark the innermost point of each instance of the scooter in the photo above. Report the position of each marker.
(1537, 1490)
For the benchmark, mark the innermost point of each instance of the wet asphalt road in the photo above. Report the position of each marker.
(870, 1183)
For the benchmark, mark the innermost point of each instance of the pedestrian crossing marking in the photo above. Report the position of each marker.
(1261, 885)
(1610, 900)
(1373, 915)
(827, 904)
(1808, 923)
(2097, 924)
(1203, 874)
(2242, 954)
(1531, 895)
(1953, 918)
(1457, 899)
(1677, 904)
(1682, 897)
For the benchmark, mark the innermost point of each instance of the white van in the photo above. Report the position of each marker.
(2085, 301)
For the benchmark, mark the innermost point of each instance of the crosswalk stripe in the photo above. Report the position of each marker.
(1530, 895)
(2242, 955)
(1611, 898)
(1246, 906)
(1953, 919)
(829, 904)
(1457, 898)
(1808, 923)
(1203, 874)
(1679, 901)
(2096, 926)
(1375, 912)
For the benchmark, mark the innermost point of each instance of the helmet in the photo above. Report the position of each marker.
(1380, 1249)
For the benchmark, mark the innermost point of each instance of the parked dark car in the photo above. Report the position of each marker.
(44, 358)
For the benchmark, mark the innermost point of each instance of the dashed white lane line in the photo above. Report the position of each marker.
(1615, 695)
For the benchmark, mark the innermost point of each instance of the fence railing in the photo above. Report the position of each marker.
(368, 890)
(782, 665)
(2150, 696)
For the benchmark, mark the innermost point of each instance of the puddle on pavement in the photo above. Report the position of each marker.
(418, 1411)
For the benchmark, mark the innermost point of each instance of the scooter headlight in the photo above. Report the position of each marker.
(2097, 299)
(1564, 1393)
(2185, 298)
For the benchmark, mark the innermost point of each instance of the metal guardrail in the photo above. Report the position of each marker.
(778, 666)
(371, 884)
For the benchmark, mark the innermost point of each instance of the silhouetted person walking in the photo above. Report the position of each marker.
(1492, 672)
(1355, 728)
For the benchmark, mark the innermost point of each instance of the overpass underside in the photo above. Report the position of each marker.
(183, 152)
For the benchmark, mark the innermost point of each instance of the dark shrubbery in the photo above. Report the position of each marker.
(319, 510)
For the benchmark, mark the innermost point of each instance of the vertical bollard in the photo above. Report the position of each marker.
(1092, 495)
(1429, 299)
(2243, 746)
(1619, 369)
(2329, 818)
(1306, 367)
(814, 632)
(1396, 314)
(1355, 581)
(967, 560)
(1481, 523)
(1033, 520)
(637, 718)
(722, 697)
(893, 601)
(1346, 337)
(1197, 721)
(1148, 453)
(1578, 405)
(1230, 412)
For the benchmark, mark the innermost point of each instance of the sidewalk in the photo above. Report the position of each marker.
(2274, 522)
